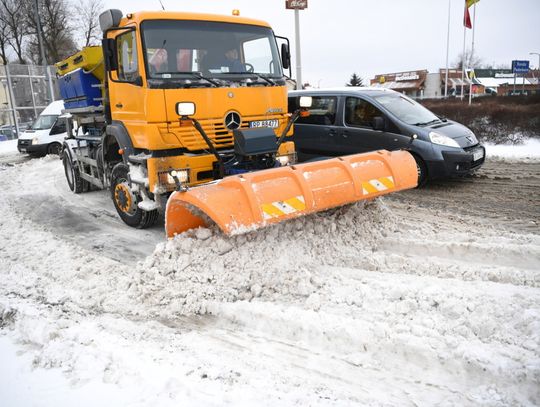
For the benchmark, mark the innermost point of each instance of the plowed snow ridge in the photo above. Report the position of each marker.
(372, 304)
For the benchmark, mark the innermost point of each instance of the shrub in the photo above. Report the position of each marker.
(498, 119)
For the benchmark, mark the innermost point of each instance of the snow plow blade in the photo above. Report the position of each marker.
(241, 203)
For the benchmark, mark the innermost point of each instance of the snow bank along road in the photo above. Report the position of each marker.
(427, 297)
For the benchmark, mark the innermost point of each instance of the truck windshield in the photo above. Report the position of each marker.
(407, 110)
(44, 122)
(178, 48)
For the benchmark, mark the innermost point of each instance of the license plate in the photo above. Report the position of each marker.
(478, 155)
(23, 150)
(264, 123)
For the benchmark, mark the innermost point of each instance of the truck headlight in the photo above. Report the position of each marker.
(437, 138)
(35, 140)
(287, 159)
(168, 177)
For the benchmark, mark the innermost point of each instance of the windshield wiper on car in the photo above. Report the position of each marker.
(427, 123)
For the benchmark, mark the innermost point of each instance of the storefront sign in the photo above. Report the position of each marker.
(295, 4)
(407, 76)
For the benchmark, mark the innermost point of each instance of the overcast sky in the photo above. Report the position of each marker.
(369, 37)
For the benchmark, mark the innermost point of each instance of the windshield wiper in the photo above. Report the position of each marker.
(258, 75)
(426, 123)
(197, 75)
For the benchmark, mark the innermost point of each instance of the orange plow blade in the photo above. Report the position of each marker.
(241, 203)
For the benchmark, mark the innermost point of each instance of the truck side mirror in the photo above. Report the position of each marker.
(378, 123)
(285, 56)
(109, 54)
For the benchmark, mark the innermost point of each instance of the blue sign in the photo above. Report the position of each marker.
(520, 66)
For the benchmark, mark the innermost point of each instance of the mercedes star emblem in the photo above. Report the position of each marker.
(232, 120)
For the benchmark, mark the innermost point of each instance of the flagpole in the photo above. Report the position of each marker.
(463, 60)
(447, 50)
(472, 51)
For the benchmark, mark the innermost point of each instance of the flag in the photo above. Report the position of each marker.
(467, 16)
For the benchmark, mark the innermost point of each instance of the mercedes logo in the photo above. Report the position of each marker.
(232, 120)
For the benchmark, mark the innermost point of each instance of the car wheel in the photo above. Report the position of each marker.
(126, 200)
(421, 170)
(54, 148)
(75, 182)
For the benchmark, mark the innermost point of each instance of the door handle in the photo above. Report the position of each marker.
(119, 105)
(332, 133)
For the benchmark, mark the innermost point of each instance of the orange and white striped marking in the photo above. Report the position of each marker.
(282, 208)
(377, 185)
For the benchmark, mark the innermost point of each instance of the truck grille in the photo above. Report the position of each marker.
(215, 129)
(24, 143)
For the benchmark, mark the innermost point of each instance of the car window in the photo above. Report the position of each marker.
(127, 56)
(59, 127)
(322, 110)
(359, 112)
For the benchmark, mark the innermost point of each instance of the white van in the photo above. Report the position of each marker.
(47, 133)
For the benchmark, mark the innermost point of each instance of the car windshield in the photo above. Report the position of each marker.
(406, 109)
(44, 122)
(196, 49)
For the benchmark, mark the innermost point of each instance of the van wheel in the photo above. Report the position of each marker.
(73, 176)
(421, 170)
(54, 148)
(126, 200)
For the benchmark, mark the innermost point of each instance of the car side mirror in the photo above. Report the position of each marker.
(285, 56)
(378, 123)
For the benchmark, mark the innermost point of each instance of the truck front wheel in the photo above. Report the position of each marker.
(126, 200)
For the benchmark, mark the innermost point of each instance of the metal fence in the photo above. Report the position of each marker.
(25, 91)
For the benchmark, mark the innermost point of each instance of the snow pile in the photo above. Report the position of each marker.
(8, 147)
(184, 274)
(529, 150)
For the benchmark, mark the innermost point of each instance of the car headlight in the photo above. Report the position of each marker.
(35, 140)
(168, 177)
(437, 138)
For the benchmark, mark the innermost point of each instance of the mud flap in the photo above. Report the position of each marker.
(241, 203)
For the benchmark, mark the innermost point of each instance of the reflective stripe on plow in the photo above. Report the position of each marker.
(377, 185)
(282, 208)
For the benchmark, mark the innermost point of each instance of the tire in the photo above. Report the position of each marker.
(125, 201)
(73, 176)
(54, 148)
(421, 169)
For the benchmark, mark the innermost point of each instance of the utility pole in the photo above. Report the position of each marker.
(297, 5)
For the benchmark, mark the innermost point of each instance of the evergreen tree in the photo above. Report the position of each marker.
(355, 81)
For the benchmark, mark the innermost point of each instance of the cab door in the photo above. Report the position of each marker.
(126, 93)
(360, 134)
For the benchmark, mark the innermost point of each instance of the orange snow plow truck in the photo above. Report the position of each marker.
(187, 113)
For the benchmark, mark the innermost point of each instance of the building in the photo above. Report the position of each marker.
(410, 83)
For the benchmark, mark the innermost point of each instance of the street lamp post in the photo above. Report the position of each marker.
(538, 69)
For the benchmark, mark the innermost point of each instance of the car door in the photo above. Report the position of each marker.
(315, 134)
(360, 132)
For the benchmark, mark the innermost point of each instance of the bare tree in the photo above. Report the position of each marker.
(471, 60)
(57, 31)
(87, 21)
(13, 16)
(4, 40)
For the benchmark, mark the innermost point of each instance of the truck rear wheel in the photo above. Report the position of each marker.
(126, 200)
(73, 176)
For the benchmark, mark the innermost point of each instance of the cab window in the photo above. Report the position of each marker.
(359, 112)
(322, 110)
(128, 69)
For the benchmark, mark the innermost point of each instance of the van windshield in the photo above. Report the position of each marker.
(407, 110)
(44, 122)
(179, 48)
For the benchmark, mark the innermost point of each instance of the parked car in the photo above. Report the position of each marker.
(353, 120)
(47, 133)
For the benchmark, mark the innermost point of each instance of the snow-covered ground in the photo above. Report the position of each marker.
(394, 302)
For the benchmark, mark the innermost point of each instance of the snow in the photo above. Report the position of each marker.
(379, 303)
(530, 149)
(8, 147)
